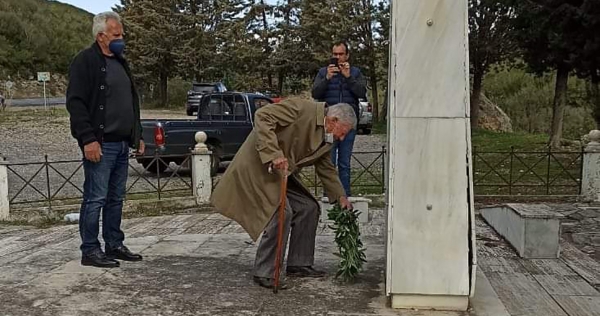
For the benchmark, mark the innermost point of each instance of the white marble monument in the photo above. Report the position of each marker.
(430, 251)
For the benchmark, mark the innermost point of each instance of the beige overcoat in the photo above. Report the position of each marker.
(293, 128)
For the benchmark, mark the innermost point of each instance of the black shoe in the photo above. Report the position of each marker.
(269, 283)
(122, 253)
(98, 259)
(304, 272)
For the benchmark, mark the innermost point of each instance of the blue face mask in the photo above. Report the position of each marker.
(117, 46)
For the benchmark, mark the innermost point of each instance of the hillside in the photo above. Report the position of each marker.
(40, 35)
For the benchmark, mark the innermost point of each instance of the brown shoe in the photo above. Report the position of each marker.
(304, 272)
(269, 283)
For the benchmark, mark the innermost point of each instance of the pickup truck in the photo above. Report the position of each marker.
(365, 121)
(194, 96)
(226, 117)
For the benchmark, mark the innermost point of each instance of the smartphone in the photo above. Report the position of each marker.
(334, 61)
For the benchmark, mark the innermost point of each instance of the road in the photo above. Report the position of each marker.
(35, 102)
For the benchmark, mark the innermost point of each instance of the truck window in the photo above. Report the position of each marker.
(259, 102)
(203, 89)
(224, 108)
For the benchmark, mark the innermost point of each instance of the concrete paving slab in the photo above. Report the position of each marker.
(75, 267)
(169, 248)
(188, 238)
(211, 274)
(486, 301)
(143, 241)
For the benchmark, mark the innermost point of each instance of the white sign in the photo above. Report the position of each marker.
(8, 85)
(43, 76)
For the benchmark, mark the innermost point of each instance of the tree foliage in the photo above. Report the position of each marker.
(251, 44)
(248, 44)
(39, 35)
(561, 36)
(490, 42)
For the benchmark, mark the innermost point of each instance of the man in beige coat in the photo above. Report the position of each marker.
(287, 136)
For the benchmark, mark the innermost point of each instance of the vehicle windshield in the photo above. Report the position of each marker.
(203, 89)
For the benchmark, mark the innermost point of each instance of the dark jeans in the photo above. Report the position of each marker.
(104, 188)
(341, 154)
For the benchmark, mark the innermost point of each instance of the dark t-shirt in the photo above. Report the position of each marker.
(119, 117)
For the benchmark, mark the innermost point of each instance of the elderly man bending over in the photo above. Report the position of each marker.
(287, 136)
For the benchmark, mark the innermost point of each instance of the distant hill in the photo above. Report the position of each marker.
(40, 35)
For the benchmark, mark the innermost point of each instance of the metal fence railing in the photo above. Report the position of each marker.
(496, 173)
(51, 183)
(367, 175)
(500, 173)
(527, 173)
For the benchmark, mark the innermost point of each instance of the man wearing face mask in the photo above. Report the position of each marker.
(105, 119)
(287, 136)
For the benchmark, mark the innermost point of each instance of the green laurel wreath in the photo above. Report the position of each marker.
(347, 237)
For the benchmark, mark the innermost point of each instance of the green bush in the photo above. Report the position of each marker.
(177, 89)
(527, 100)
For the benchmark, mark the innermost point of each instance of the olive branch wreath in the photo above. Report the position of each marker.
(347, 237)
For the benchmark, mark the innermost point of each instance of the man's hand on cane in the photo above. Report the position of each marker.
(280, 164)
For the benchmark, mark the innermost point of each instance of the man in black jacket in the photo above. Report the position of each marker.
(105, 119)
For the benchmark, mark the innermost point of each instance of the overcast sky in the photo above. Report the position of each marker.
(97, 6)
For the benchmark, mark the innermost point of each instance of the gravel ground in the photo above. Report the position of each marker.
(29, 134)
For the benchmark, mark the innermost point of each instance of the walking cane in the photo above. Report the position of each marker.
(278, 257)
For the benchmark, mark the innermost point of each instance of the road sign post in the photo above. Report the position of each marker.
(43, 77)
(8, 97)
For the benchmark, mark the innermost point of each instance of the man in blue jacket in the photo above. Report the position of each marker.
(341, 83)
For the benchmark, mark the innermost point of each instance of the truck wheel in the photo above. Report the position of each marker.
(151, 166)
(366, 131)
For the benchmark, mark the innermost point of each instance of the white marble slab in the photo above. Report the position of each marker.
(359, 203)
(430, 221)
(430, 69)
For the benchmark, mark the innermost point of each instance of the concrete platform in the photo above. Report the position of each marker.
(532, 229)
(201, 264)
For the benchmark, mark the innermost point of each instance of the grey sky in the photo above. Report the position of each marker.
(97, 6)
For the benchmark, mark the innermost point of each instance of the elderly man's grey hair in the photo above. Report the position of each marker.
(100, 21)
(344, 113)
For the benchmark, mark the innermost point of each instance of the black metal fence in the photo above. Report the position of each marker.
(508, 173)
(527, 173)
(57, 182)
(367, 174)
(495, 173)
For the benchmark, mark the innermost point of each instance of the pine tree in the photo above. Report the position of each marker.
(153, 36)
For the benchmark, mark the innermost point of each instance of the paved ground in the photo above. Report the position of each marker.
(201, 265)
(195, 265)
(581, 227)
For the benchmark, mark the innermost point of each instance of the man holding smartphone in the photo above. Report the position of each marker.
(341, 83)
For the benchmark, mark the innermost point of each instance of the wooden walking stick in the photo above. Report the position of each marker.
(280, 250)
